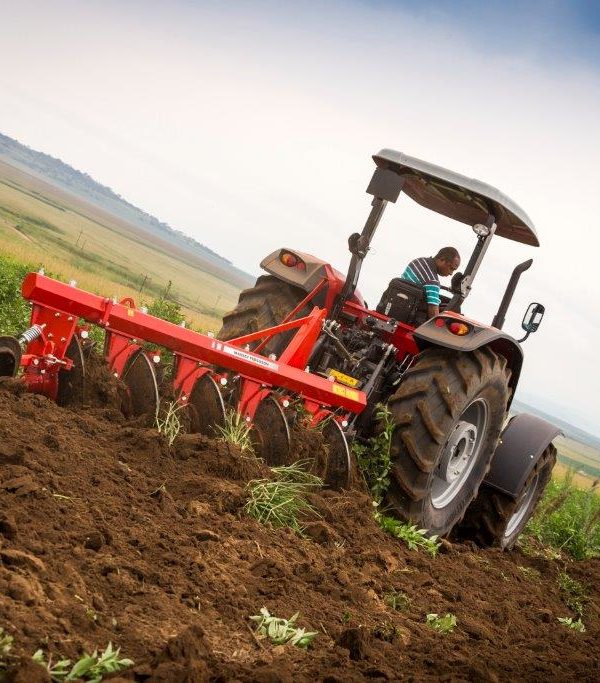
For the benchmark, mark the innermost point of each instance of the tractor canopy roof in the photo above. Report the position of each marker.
(464, 199)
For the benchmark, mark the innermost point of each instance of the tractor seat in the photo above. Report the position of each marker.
(404, 301)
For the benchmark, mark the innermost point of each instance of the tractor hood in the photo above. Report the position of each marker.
(456, 196)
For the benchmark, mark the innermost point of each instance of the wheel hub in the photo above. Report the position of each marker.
(458, 451)
(460, 455)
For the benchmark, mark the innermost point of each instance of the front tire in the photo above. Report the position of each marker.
(448, 414)
(495, 519)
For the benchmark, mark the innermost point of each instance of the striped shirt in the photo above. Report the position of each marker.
(422, 271)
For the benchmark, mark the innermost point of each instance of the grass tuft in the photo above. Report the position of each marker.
(282, 502)
(236, 431)
(168, 424)
(574, 593)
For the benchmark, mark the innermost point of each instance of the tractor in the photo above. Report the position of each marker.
(460, 464)
(303, 341)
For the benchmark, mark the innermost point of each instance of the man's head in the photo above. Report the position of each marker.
(447, 260)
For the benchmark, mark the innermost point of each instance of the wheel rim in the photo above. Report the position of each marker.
(522, 509)
(460, 454)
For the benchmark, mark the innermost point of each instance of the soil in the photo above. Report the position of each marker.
(107, 534)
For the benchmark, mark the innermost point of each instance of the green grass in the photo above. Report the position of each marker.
(282, 502)
(236, 431)
(574, 593)
(374, 456)
(14, 310)
(568, 519)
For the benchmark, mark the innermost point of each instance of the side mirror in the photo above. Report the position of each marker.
(532, 319)
(353, 242)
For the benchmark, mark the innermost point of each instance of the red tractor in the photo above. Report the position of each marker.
(303, 337)
(448, 381)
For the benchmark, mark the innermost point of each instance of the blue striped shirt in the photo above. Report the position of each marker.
(422, 271)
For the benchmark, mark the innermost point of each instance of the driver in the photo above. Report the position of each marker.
(425, 270)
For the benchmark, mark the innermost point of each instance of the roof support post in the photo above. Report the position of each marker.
(359, 245)
(466, 282)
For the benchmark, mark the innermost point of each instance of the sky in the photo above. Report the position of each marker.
(251, 125)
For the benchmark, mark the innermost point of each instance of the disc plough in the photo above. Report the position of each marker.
(209, 376)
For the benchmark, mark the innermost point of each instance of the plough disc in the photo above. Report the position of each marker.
(71, 383)
(270, 433)
(206, 409)
(142, 389)
(10, 356)
(337, 472)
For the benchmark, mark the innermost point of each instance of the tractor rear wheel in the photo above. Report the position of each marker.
(497, 519)
(264, 305)
(448, 413)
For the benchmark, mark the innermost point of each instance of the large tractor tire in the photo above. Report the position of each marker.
(264, 305)
(448, 414)
(496, 519)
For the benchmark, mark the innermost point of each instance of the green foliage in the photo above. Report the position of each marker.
(568, 519)
(6, 642)
(282, 631)
(168, 422)
(282, 502)
(397, 600)
(167, 310)
(374, 457)
(530, 573)
(386, 631)
(574, 593)
(409, 533)
(576, 625)
(89, 668)
(445, 624)
(14, 310)
(236, 431)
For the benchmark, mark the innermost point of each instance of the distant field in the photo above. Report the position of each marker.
(47, 227)
(581, 458)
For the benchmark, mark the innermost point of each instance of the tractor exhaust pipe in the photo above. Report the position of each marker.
(498, 320)
(11, 350)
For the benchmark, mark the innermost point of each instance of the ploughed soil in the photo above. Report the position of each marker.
(107, 534)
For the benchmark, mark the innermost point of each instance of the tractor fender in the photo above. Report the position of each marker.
(429, 334)
(521, 444)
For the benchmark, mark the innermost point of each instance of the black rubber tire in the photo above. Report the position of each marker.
(433, 395)
(264, 305)
(488, 516)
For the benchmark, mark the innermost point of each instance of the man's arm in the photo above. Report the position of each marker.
(432, 296)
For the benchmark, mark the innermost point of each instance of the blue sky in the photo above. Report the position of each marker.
(250, 126)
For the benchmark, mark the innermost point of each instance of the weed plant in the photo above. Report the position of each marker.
(414, 537)
(282, 502)
(574, 593)
(236, 431)
(573, 624)
(282, 631)
(445, 624)
(568, 519)
(90, 668)
(374, 457)
(397, 600)
(6, 642)
(168, 424)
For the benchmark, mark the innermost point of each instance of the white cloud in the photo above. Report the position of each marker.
(249, 126)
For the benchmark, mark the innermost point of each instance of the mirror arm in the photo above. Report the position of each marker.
(520, 341)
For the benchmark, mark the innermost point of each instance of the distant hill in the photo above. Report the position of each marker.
(63, 176)
(569, 430)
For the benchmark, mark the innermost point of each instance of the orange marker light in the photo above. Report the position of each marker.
(458, 328)
(440, 322)
(288, 259)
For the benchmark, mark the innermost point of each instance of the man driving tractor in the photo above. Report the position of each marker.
(424, 271)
